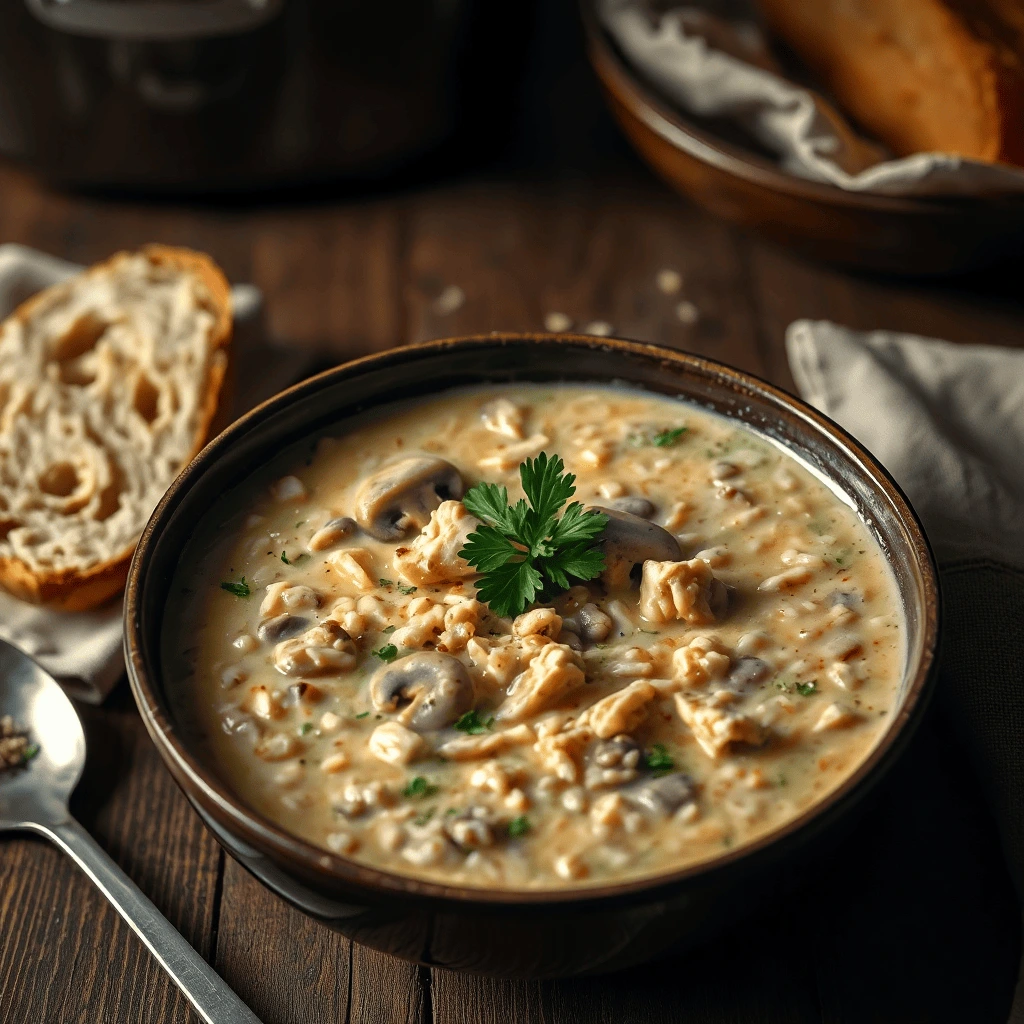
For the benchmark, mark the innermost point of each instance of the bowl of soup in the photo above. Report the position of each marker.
(531, 655)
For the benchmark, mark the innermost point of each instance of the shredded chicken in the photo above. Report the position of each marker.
(716, 726)
(677, 590)
(321, 651)
(620, 712)
(433, 557)
(552, 674)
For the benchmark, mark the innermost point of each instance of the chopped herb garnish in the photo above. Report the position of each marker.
(452, 810)
(403, 589)
(299, 523)
(30, 751)
(473, 724)
(519, 826)
(306, 728)
(527, 550)
(661, 439)
(784, 682)
(363, 714)
(422, 819)
(293, 561)
(658, 759)
(419, 787)
(239, 589)
(388, 630)
(386, 583)
(667, 438)
(386, 653)
(807, 689)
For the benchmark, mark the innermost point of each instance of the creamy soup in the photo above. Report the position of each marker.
(734, 661)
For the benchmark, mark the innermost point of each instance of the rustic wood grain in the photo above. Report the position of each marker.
(985, 309)
(592, 254)
(65, 954)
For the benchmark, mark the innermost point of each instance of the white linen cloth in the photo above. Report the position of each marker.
(948, 422)
(714, 68)
(81, 649)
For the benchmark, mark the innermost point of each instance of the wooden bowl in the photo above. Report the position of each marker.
(526, 933)
(912, 236)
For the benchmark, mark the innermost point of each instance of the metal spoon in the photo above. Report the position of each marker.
(35, 798)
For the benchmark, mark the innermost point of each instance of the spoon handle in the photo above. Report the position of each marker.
(207, 992)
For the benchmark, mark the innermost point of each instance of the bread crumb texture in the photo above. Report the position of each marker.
(108, 385)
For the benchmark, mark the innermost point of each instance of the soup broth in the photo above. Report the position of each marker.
(734, 662)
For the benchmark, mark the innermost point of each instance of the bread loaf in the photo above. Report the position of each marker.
(920, 75)
(108, 385)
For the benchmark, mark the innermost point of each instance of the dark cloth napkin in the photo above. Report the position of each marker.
(948, 422)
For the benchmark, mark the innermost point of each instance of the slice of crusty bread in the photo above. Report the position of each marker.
(108, 385)
(921, 75)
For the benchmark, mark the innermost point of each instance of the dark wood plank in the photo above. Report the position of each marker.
(330, 275)
(284, 966)
(66, 955)
(591, 251)
(986, 309)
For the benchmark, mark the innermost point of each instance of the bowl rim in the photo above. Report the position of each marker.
(345, 872)
(646, 105)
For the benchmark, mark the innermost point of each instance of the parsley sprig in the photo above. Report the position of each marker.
(527, 549)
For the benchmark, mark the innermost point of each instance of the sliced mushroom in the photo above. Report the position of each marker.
(436, 686)
(401, 496)
(718, 598)
(280, 627)
(611, 762)
(333, 531)
(633, 505)
(629, 541)
(664, 795)
(748, 672)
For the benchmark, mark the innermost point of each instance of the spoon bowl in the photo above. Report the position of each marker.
(39, 791)
(34, 798)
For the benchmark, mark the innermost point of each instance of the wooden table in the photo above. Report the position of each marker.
(911, 919)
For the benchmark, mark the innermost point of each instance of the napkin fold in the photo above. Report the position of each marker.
(80, 649)
(947, 421)
(713, 67)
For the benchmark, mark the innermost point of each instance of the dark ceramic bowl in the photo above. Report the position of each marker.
(490, 931)
(919, 236)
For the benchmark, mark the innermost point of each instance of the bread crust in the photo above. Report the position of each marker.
(74, 590)
(921, 75)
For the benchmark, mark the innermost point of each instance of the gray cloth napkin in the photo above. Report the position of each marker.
(81, 649)
(714, 68)
(948, 422)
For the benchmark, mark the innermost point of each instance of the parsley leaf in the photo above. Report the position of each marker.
(525, 550)
(363, 714)
(658, 759)
(419, 787)
(388, 630)
(239, 589)
(386, 583)
(519, 826)
(306, 728)
(32, 750)
(473, 724)
(667, 438)
(386, 653)
(807, 689)
(402, 589)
